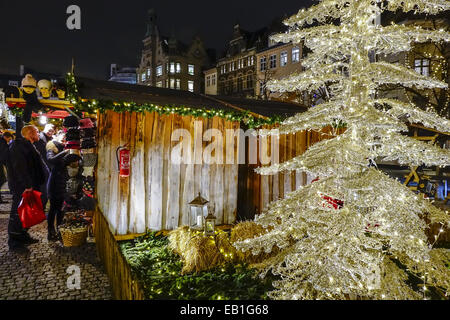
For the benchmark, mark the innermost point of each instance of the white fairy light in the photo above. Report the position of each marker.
(331, 252)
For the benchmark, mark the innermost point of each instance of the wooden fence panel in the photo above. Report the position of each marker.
(157, 193)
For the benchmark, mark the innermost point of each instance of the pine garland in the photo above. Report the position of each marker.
(104, 105)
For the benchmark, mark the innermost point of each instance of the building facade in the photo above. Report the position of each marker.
(277, 62)
(169, 63)
(237, 69)
(122, 74)
(211, 81)
(429, 59)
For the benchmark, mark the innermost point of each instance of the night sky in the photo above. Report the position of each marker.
(35, 34)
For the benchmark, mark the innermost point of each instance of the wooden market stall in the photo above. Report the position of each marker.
(156, 194)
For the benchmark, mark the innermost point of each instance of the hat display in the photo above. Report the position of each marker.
(86, 123)
(71, 122)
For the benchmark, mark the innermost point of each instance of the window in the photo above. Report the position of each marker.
(249, 81)
(167, 83)
(159, 70)
(143, 77)
(239, 84)
(191, 69)
(208, 81)
(273, 61)
(422, 66)
(252, 60)
(148, 72)
(177, 84)
(191, 86)
(159, 84)
(213, 80)
(172, 83)
(295, 54)
(172, 67)
(283, 58)
(178, 67)
(262, 63)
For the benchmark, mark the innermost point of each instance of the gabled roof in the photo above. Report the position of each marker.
(122, 92)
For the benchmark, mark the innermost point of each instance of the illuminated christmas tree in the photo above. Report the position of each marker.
(355, 232)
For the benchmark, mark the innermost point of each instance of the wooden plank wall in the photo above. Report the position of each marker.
(125, 285)
(265, 189)
(157, 193)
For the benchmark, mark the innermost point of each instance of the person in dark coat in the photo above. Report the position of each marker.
(56, 185)
(5, 139)
(25, 174)
(44, 137)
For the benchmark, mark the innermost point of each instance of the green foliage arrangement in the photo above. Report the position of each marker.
(159, 271)
(128, 106)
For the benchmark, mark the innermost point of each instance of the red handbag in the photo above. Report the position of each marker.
(31, 211)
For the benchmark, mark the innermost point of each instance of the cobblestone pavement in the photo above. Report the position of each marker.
(42, 273)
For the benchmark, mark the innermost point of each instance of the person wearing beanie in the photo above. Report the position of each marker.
(56, 183)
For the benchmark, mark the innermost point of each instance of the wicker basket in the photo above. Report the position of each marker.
(73, 237)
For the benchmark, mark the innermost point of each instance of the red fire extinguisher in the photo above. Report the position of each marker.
(123, 161)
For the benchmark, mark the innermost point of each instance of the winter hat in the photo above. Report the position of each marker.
(72, 186)
(88, 143)
(29, 81)
(73, 134)
(71, 122)
(86, 123)
(73, 172)
(74, 144)
(89, 159)
(88, 185)
(88, 133)
(88, 172)
(72, 156)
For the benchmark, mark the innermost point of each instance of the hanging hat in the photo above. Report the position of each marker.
(86, 123)
(72, 186)
(71, 122)
(88, 185)
(73, 134)
(28, 80)
(74, 144)
(88, 143)
(89, 159)
(88, 133)
(88, 172)
(73, 156)
(73, 172)
(87, 151)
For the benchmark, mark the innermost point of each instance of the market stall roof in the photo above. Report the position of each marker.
(123, 92)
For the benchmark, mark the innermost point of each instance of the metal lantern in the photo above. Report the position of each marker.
(199, 209)
(210, 223)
